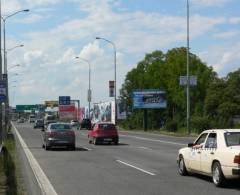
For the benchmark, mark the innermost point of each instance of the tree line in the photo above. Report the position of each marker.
(214, 102)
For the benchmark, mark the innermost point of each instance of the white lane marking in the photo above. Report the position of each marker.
(127, 164)
(89, 149)
(43, 182)
(154, 140)
(145, 148)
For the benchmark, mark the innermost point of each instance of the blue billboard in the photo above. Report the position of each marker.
(152, 99)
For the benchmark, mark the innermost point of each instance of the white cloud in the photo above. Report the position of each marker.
(227, 34)
(209, 3)
(49, 53)
(234, 20)
(32, 18)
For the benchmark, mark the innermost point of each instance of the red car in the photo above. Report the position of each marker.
(103, 133)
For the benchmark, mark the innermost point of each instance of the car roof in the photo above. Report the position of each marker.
(221, 130)
(105, 123)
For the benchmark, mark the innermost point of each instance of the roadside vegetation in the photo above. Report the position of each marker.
(10, 176)
(215, 101)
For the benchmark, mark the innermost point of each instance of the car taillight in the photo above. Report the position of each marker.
(237, 159)
(51, 134)
(71, 133)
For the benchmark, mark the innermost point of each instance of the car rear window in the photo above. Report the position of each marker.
(232, 138)
(107, 127)
(60, 127)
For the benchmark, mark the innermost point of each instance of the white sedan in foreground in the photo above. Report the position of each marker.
(215, 153)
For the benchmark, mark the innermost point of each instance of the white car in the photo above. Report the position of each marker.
(215, 153)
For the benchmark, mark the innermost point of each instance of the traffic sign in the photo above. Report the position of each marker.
(22, 108)
(3, 90)
(64, 100)
(192, 80)
(111, 88)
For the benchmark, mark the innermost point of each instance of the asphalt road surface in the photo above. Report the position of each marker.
(142, 164)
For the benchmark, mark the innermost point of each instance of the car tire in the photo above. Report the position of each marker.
(47, 147)
(95, 141)
(217, 175)
(182, 167)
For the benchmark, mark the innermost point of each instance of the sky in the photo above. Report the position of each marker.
(54, 32)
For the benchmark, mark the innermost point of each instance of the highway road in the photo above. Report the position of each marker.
(142, 164)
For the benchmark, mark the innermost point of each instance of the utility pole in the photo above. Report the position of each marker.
(188, 81)
(1, 128)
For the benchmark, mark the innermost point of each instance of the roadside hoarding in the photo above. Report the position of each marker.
(152, 99)
(104, 112)
(51, 103)
(121, 110)
(67, 112)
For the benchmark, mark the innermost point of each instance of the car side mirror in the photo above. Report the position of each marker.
(190, 145)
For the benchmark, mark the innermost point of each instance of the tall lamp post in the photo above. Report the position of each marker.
(115, 74)
(188, 80)
(89, 84)
(4, 19)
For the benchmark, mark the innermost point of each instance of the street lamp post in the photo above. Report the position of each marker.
(5, 60)
(115, 74)
(188, 87)
(89, 84)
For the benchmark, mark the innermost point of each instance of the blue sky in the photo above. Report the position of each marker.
(55, 31)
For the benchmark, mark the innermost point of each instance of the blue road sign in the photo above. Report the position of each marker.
(64, 100)
(3, 90)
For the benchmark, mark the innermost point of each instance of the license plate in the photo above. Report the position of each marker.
(62, 142)
(107, 139)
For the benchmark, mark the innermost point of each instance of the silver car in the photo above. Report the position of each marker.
(59, 134)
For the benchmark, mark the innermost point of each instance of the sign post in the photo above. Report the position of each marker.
(111, 88)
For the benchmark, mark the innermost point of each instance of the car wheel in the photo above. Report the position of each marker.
(116, 142)
(217, 175)
(47, 147)
(95, 141)
(181, 167)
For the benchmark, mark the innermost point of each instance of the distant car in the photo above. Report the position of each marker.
(39, 123)
(32, 118)
(20, 120)
(215, 153)
(59, 134)
(86, 124)
(103, 133)
(48, 119)
(74, 123)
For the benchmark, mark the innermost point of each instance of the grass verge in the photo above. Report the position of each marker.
(11, 181)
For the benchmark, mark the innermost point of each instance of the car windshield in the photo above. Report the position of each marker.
(50, 118)
(107, 126)
(60, 127)
(232, 138)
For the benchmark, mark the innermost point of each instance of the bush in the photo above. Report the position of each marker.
(171, 125)
(200, 123)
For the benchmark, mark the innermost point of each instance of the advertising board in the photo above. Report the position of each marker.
(67, 112)
(104, 112)
(152, 99)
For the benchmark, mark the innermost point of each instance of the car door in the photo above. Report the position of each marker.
(208, 153)
(195, 153)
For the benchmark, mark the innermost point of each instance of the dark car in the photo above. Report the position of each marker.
(86, 124)
(103, 133)
(39, 123)
(59, 134)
